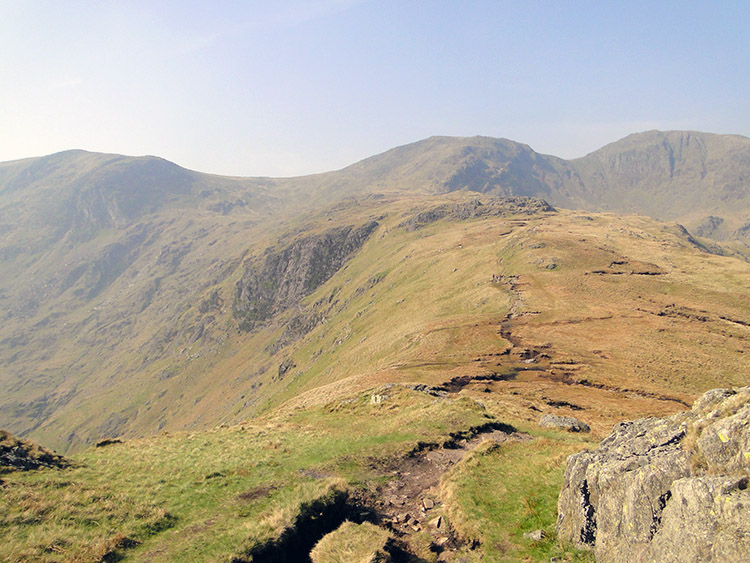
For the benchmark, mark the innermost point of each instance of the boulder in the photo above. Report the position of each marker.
(536, 535)
(568, 423)
(669, 489)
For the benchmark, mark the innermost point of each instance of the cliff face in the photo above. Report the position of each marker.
(280, 279)
(673, 489)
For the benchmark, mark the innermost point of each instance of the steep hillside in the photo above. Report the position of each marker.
(97, 254)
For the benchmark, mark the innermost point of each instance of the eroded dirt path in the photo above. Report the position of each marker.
(409, 503)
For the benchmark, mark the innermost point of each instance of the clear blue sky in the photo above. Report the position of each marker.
(291, 87)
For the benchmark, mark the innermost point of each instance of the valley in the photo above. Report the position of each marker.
(269, 358)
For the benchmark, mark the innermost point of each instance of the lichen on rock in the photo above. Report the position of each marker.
(569, 423)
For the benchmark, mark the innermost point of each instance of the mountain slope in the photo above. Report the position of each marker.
(125, 281)
(466, 324)
(266, 358)
(97, 253)
(699, 179)
(76, 194)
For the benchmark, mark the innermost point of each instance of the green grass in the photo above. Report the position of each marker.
(206, 496)
(500, 492)
(352, 543)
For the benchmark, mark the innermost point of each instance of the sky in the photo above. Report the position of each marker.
(284, 88)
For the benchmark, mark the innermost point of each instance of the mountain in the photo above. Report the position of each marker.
(445, 164)
(95, 251)
(133, 277)
(76, 194)
(698, 179)
(236, 366)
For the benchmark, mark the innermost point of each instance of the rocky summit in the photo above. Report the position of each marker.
(665, 489)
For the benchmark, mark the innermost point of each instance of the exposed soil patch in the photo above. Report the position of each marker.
(107, 442)
(735, 321)
(644, 394)
(408, 503)
(255, 493)
(562, 404)
(457, 383)
(690, 314)
(619, 267)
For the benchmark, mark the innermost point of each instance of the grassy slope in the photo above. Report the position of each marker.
(209, 495)
(360, 543)
(677, 331)
(214, 495)
(501, 492)
(411, 306)
(436, 311)
(614, 346)
(130, 352)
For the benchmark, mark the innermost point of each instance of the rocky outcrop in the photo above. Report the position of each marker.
(489, 207)
(280, 279)
(22, 455)
(665, 490)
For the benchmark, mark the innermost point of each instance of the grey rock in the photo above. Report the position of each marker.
(614, 491)
(488, 207)
(568, 423)
(711, 398)
(536, 535)
(725, 443)
(284, 367)
(706, 519)
(22, 455)
(280, 279)
(644, 495)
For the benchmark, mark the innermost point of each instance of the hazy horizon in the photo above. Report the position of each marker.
(293, 88)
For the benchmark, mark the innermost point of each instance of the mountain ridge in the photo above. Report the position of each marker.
(699, 179)
(122, 284)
